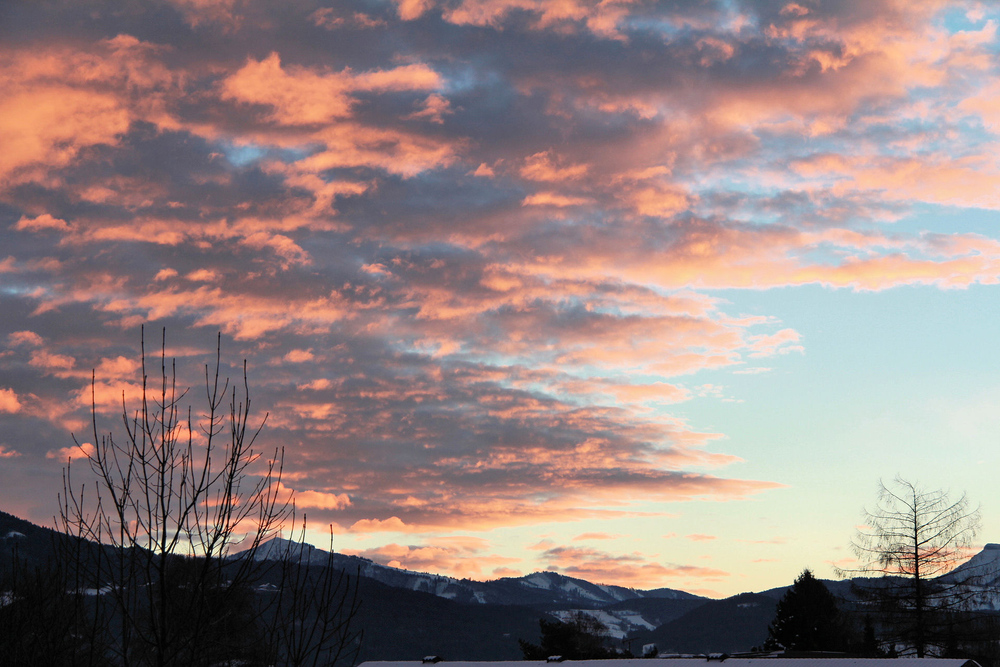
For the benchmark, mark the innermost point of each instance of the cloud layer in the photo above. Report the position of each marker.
(471, 248)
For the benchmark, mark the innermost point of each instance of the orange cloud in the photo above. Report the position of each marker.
(8, 401)
(472, 277)
(51, 361)
(597, 536)
(317, 499)
(392, 524)
(84, 450)
(601, 18)
(776, 343)
(48, 126)
(433, 109)
(116, 368)
(299, 356)
(450, 560)
(299, 96)
(547, 167)
(554, 199)
(25, 338)
(59, 101)
(41, 222)
(633, 570)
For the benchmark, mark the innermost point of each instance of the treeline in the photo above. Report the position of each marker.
(908, 597)
(875, 624)
(62, 612)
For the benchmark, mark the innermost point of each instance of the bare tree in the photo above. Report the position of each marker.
(909, 540)
(313, 606)
(174, 493)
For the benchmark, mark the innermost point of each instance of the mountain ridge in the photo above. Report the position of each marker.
(409, 613)
(541, 588)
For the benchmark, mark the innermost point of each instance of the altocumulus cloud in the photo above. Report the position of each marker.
(469, 248)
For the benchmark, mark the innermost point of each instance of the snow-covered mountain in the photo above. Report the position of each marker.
(981, 574)
(563, 595)
(984, 567)
(662, 616)
(279, 548)
(536, 589)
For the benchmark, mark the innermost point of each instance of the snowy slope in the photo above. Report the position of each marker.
(984, 566)
(619, 623)
(981, 574)
(549, 589)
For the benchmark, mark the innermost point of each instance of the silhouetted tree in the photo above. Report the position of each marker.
(908, 541)
(580, 638)
(173, 495)
(45, 620)
(311, 613)
(807, 619)
(869, 645)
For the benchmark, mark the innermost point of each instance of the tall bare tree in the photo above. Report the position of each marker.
(173, 494)
(909, 540)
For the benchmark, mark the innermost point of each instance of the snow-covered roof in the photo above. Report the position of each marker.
(703, 662)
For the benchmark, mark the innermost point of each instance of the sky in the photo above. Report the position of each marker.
(650, 293)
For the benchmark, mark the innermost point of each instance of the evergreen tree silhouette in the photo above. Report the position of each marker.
(807, 619)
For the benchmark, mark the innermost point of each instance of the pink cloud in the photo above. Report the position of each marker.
(433, 109)
(117, 367)
(51, 361)
(601, 18)
(299, 356)
(60, 101)
(548, 198)
(484, 171)
(412, 9)
(8, 401)
(299, 96)
(661, 201)
(323, 500)
(316, 385)
(781, 342)
(548, 167)
(41, 222)
(165, 274)
(633, 570)
(473, 277)
(392, 524)
(25, 338)
(85, 450)
(48, 126)
(455, 561)
(6, 453)
(597, 536)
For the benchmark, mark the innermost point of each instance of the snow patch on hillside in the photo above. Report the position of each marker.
(537, 580)
(617, 624)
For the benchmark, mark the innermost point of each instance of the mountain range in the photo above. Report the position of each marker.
(406, 615)
(539, 589)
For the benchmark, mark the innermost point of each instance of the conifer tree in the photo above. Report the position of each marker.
(807, 618)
